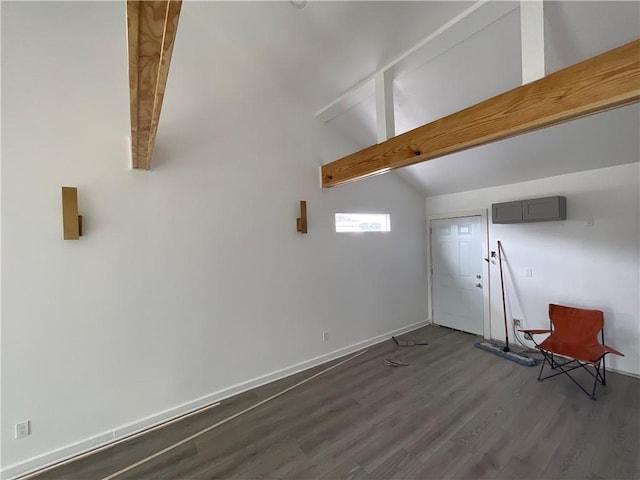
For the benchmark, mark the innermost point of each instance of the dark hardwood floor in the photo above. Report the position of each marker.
(454, 412)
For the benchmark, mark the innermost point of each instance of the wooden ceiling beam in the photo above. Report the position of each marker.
(603, 82)
(151, 31)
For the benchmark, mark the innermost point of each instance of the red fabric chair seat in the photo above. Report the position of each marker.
(584, 353)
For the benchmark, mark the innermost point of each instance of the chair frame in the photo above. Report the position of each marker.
(598, 371)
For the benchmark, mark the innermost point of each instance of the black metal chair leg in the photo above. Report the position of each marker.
(544, 359)
(604, 372)
(595, 382)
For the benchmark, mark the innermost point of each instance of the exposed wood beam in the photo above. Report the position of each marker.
(151, 31)
(603, 82)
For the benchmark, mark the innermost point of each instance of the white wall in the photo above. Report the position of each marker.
(190, 279)
(572, 263)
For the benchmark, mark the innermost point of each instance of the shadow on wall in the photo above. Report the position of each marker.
(513, 305)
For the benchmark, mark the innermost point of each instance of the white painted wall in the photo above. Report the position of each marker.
(572, 263)
(191, 279)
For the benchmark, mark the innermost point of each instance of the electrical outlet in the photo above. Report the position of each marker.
(325, 336)
(528, 272)
(517, 322)
(23, 429)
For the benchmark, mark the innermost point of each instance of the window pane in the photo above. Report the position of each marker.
(363, 222)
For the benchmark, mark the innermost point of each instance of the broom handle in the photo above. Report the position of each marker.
(504, 304)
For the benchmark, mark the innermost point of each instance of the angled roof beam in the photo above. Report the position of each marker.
(151, 31)
(603, 82)
(473, 19)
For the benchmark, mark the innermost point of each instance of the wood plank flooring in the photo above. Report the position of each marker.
(456, 412)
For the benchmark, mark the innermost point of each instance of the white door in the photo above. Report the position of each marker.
(456, 279)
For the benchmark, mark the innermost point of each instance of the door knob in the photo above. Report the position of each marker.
(478, 277)
(479, 285)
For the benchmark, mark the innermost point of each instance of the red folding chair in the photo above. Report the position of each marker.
(574, 337)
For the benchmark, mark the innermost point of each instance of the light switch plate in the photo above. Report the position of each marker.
(23, 429)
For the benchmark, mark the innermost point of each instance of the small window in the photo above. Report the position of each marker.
(363, 222)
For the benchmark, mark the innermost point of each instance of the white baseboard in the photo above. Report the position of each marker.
(623, 372)
(70, 452)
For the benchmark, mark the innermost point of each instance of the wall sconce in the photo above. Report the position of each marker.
(301, 222)
(71, 221)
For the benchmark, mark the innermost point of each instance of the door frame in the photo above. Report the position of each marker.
(486, 283)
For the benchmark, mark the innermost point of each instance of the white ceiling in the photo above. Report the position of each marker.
(318, 52)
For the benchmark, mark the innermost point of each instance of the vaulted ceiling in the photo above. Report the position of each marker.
(320, 51)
